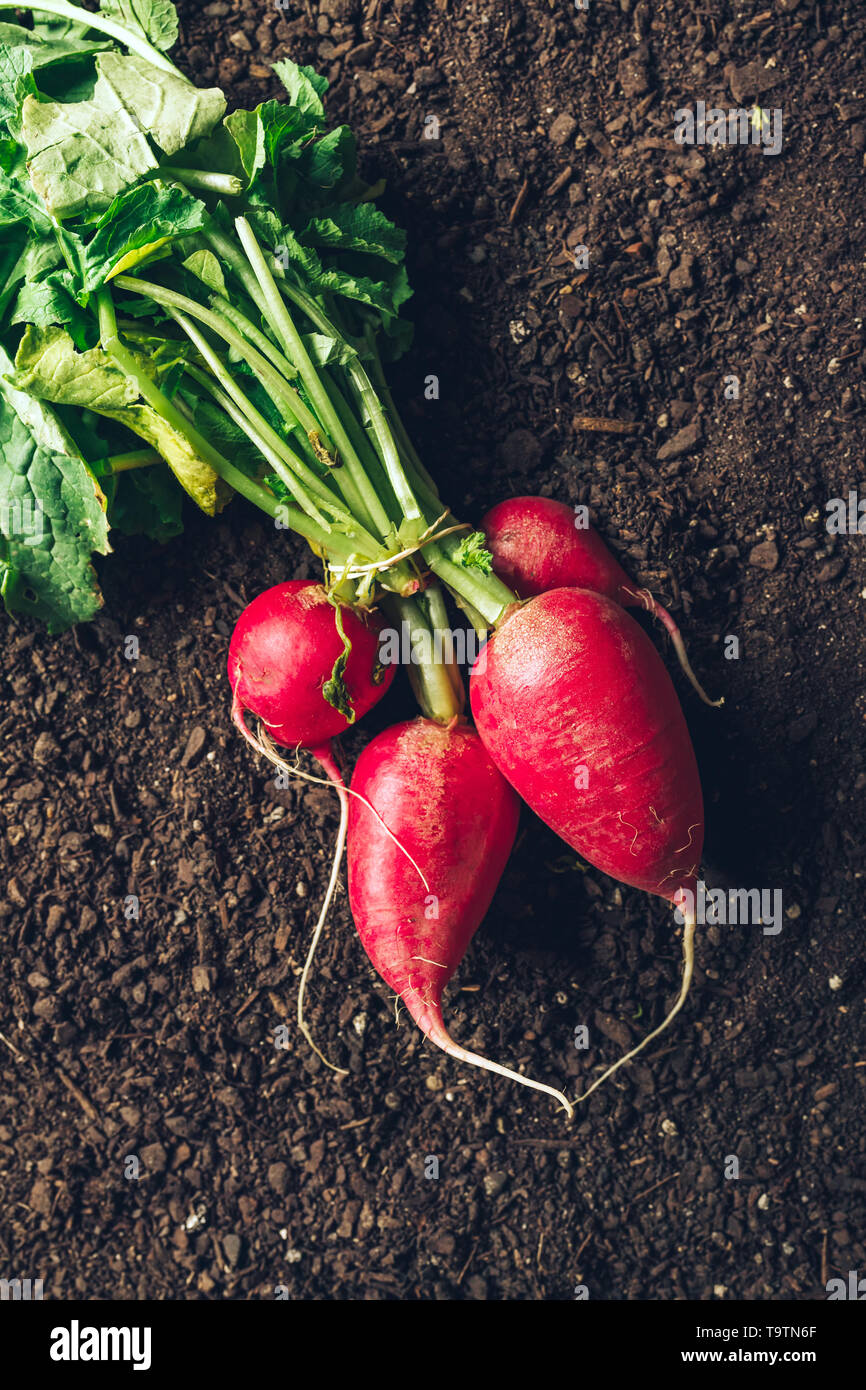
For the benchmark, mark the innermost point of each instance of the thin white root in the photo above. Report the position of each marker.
(476, 1060)
(266, 748)
(340, 789)
(264, 745)
(688, 971)
(433, 1027)
(682, 656)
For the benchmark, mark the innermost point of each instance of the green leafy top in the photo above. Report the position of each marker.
(155, 20)
(473, 554)
(113, 165)
(52, 515)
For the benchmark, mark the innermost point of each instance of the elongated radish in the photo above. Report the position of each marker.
(439, 794)
(575, 707)
(536, 545)
(307, 667)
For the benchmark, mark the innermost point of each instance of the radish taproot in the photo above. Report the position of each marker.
(307, 667)
(440, 795)
(577, 710)
(537, 545)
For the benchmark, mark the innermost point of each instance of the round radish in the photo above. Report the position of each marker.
(307, 666)
(419, 893)
(575, 707)
(537, 546)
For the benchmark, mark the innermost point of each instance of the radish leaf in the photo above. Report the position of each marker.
(52, 517)
(48, 366)
(305, 86)
(205, 267)
(50, 301)
(171, 111)
(82, 154)
(137, 223)
(361, 227)
(19, 202)
(16, 81)
(155, 19)
(473, 554)
(47, 49)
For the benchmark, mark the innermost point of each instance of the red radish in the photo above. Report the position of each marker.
(536, 545)
(441, 797)
(288, 655)
(308, 668)
(575, 707)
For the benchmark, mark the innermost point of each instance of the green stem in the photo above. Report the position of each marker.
(433, 686)
(255, 335)
(284, 396)
(434, 600)
(125, 463)
(431, 501)
(91, 20)
(363, 389)
(487, 594)
(385, 440)
(481, 627)
(410, 469)
(272, 448)
(276, 445)
(419, 480)
(362, 443)
(234, 413)
(375, 517)
(205, 180)
(410, 453)
(234, 258)
(270, 350)
(247, 487)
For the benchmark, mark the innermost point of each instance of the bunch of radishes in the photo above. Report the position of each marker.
(226, 298)
(573, 709)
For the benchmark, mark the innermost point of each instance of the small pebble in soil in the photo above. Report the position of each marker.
(494, 1183)
(278, 1177)
(203, 978)
(562, 129)
(764, 556)
(232, 1249)
(45, 749)
(194, 747)
(682, 443)
(154, 1158)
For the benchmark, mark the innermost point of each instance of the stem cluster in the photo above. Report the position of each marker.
(344, 473)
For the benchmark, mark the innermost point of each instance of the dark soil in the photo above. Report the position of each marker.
(258, 1166)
